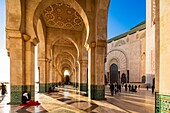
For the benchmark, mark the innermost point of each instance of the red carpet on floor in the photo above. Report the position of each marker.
(31, 103)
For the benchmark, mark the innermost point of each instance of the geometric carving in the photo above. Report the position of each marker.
(120, 56)
(61, 15)
(153, 11)
(120, 43)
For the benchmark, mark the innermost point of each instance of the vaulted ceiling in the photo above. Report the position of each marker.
(62, 16)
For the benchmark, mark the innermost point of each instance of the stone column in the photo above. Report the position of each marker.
(29, 69)
(150, 44)
(49, 79)
(74, 78)
(53, 76)
(96, 70)
(16, 66)
(56, 76)
(83, 75)
(162, 91)
(42, 75)
(77, 77)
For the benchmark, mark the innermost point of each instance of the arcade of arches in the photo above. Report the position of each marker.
(72, 35)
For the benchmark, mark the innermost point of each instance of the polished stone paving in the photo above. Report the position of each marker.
(70, 100)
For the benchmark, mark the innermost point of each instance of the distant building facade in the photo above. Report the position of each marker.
(126, 56)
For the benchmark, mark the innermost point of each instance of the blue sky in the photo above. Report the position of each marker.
(2, 25)
(125, 14)
(4, 59)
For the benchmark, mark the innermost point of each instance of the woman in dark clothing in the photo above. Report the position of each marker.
(112, 88)
(3, 88)
(25, 97)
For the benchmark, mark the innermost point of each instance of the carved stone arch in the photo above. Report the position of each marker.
(114, 61)
(67, 53)
(65, 37)
(60, 56)
(65, 61)
(72, 3)
(120, 56)
(41, 35)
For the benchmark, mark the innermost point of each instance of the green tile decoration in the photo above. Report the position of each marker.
(83, 87)
(16, 94)
(157, 102)
(42, 88)
(75, 84)
(162, 103)
(97, 92)
(165, 103)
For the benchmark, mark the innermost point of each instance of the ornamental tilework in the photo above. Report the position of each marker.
(165, 103)
(42, 88)
(16, 94)
(97, 92)
(157, 103)
(83, 87)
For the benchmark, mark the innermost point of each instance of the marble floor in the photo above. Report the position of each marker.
(70, 100)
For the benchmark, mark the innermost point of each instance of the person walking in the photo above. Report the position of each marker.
(112, 88)
(3, 89)
(153, 87)
(147, 87)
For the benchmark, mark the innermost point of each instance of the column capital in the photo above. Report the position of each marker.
(26, 37)
(35, 41)
(92, 44)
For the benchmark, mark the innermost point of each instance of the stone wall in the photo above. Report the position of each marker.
(132, 47)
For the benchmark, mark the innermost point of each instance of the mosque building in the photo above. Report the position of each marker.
(71, 36)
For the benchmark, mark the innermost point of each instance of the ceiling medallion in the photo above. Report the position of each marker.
(63, 16)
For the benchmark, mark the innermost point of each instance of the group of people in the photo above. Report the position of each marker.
(52, 89)
(115, 88)
(132, 88)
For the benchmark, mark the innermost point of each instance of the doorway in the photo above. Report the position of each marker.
(114, 76)
(123, 78)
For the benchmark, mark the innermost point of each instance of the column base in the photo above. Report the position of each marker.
(162, 103)
(42, 88)
(16, 94)
(74, 84)
(83, 87)
(49, 85)
(98, 92)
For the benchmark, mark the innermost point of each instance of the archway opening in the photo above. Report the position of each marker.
(66, 77)
(123, 78)
(114, 75)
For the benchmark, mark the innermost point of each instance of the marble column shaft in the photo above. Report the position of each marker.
(96, 70)
(16, 69)
(162, 96)
(29, 80)
(42, 75)
(83, 75)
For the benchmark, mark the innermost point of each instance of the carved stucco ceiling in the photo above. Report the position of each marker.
(63, 16)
